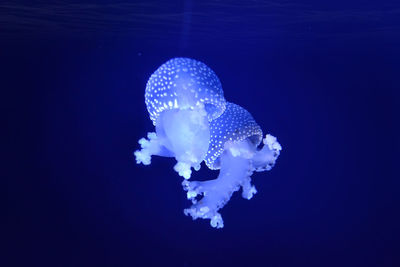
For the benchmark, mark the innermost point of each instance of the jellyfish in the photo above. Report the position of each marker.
(182, 97)
(234, 150)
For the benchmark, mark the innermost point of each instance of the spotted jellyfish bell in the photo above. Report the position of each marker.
(182, 96)
(233, 149)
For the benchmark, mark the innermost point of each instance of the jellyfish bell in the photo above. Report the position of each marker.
(184, 83)
(234, 141)
(234, 126)
(182, 96)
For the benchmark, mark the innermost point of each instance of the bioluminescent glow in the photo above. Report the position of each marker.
(194, 123)
(233, 149)
(182, 96)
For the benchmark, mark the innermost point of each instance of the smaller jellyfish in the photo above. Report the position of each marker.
(233, 149)
(182, 96)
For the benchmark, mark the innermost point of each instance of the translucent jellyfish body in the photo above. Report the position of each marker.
(234, 140)
(182, 97)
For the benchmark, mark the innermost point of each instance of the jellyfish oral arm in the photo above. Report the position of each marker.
(238, 162)
(151, 146)
(180, 133)
(236, 169)
(265, 158)
(186, 133)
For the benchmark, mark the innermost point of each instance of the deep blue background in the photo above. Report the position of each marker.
(322, 77)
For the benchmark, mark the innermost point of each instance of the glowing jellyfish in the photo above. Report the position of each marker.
(233, 149)
(182, 96)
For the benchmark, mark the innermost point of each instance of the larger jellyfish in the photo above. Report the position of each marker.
(182, 96)
(233, 149)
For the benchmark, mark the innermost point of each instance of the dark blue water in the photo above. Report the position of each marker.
(322, 77)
